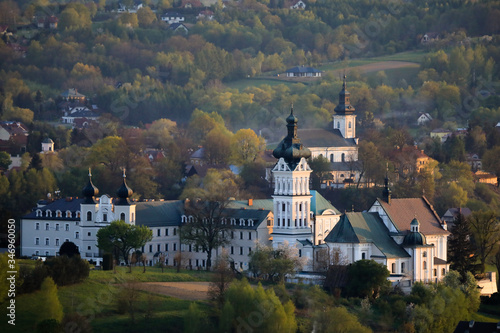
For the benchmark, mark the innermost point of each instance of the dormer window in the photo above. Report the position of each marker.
(68, 214)
(78, 214)
(48, 213)
(38, 213)
(58, 213)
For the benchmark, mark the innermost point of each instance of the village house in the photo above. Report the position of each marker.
(303, 71)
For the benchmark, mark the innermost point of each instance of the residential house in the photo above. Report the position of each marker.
(409, 159)
(474, 161)
(47, 145)
(303, 71)
(73, 95)
(451, 214)
(47, 22)
(295, 4)
(172, 17)
(442, 134)
(191, 4)
(82, 113)
(179, 28)
(13, 137)
(205, 15)
(429, 37)
(485, 178)
(423, 118)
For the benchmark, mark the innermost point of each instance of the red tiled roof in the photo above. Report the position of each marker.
(403, 211)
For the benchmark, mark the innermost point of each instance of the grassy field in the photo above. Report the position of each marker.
(97, 298)
(255, 82)
(411, 56)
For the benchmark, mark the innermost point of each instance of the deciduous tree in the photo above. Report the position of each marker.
(486, 230)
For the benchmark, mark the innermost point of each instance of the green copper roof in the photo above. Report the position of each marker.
(319, 204)
(266, 204)
(365, 228)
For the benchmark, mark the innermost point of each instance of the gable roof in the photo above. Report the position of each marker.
(302, 69)
(63, 205)
(159, 213)
(319, 204)
(402, 211)
(318, 137)
(265, 204)
(365, 227)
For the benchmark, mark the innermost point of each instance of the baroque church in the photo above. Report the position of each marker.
(405, 235)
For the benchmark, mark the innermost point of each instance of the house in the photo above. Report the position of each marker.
(47, 145)
(442, 134)
(172, 17)
(423, 118)
(451, 214)
(48, 22)
(429, 37)
(409, 159)
(474, 161)
(131, 9)
(205, 15)
(303, 71)
(179, 28)
(82, 113)
(485, 177)
(73, 95)
(13, 137)
(191, 4)
(295, 4)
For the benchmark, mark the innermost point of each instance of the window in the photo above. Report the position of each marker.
(175, 246)
(158, 232)
(166, 231)
(77, 235)
(46, 253)
(402, 267)
(37, 226)
(57, 226)
(89, 234)
(393, 268)
(349, 124)
(122, 216)
(58, 213)
(89, 216)
(57, 241)
(343, 157)
(425, 264)
(232, 234)
(37, 241)
(190, 248)
(249, 250)
(363, 255)
(250, 235)
(46, 226)
(78, 214)
(37, 252)
(241, 234)
(166, 247)
(443, 271)
(133, 217)
(47, 241)
(175, 231)
(66, 227)
(232, 249)
(241, 250)
(338, 124)
(150, 248)
(435, 272)
(331, 157)
(158, 247)
(105, 217)
(424, 254)
(89, 248)
(68, 214)
(300, 253)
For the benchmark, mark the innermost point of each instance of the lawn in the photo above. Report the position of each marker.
(255, 82)
(96, 297)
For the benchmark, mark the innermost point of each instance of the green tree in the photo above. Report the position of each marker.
(367, 278)
(372, 162)
(274, 264)
(486, 230)
(51, 307)
(206, 207)
(217, 146)
(145, 17)
(5, 160)
(195, 320)
(491, 160)
(461, 249)
(122, 237)
(246, 146)
(321, 171)
(248, 309)
(338, 320)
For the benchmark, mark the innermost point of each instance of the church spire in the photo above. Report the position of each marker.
(344, 106)
(89, 191)
(124, 192)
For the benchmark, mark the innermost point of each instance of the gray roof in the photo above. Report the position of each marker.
(319, 204)
(302, 69)
(63, 205)
(266, 204)
(346, 166)
(318, 137)
(365, 228)
(47, 140)
(159, 213)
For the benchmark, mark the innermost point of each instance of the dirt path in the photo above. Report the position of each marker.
(192, 291)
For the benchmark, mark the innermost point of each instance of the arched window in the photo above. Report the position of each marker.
(122, 216)
(58, 213)
(349, 124)
(331, 157)
(393, 268)
(89, 216)
(343, 157)
(338, 124)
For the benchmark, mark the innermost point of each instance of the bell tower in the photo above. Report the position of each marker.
(344, 118)
(291, 198)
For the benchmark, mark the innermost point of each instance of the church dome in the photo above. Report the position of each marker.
(124, 192)
(90, 191)
(415, 237)
(290, 148)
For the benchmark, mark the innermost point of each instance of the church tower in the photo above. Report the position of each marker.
(89, 206)
(344, 118)
(291, 197)
(124, 209)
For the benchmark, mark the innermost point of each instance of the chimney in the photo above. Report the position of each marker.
(186, 203)
(250, 202)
